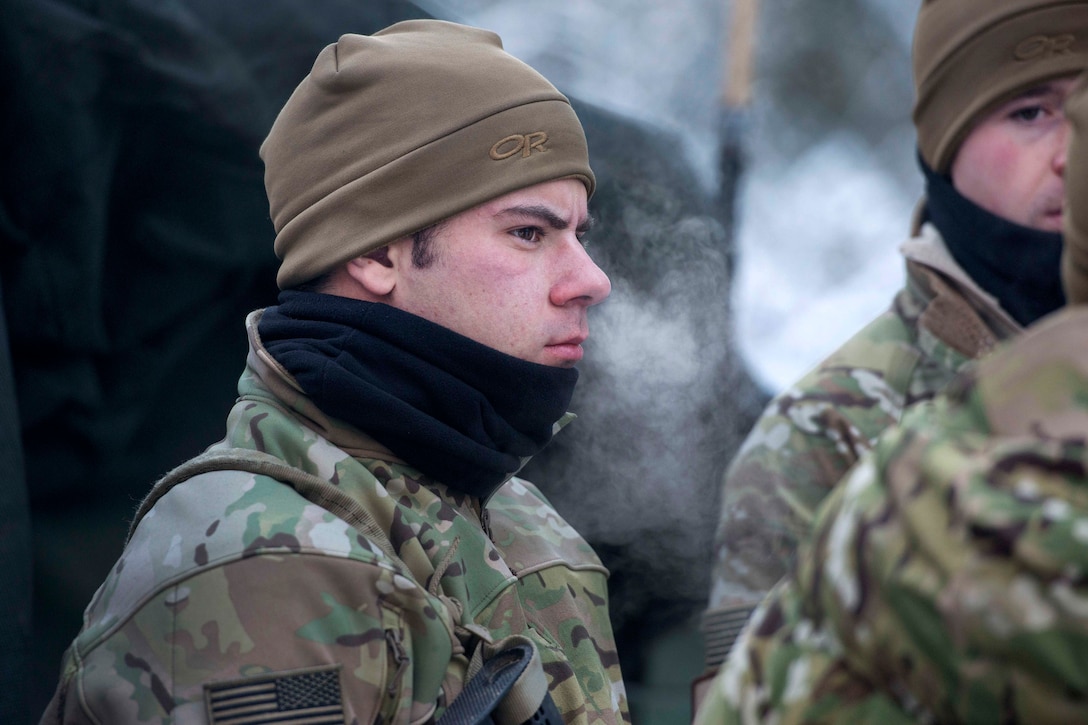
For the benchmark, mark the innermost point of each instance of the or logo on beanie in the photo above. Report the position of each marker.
(1038, 47)
(524, 144)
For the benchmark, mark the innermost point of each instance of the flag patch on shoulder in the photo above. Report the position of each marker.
(310, 696)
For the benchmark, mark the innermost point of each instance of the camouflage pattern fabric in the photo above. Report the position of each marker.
(233, 580)
(947, 579)
(812, 433)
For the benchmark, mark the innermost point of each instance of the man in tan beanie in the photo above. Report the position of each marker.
(358, 548)
(982, 262)
(945, 578)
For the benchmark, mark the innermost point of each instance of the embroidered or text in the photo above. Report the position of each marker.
(1038, 47)
(517, 143)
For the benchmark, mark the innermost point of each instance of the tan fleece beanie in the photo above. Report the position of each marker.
(393, 132)
(1075, 248)
(971, 55)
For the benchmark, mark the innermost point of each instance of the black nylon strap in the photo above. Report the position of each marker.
(492, 683)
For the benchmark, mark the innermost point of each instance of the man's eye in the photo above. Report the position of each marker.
(1029, 113)
(529, 234)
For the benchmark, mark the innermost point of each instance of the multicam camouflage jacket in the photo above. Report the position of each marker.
(946, 580)
(811, 434)
(366, 586)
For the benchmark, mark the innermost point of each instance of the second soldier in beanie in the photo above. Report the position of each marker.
(982, 261)
(943, 580)
(971, 55)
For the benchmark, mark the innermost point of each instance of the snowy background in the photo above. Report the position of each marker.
(830, 179)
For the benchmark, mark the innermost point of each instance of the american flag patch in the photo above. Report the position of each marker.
(300, 697)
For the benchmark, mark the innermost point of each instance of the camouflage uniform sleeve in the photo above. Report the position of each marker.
(806, 440)
(270, 621)
(802, 445)
(945, 579)
(561, 600)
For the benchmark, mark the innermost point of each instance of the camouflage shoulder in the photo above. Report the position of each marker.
(807, 438)
(531, 532)
(187, 651)
(1036, 384)
(201, 582)
(811, 432)
(879, 341)
(209, 520)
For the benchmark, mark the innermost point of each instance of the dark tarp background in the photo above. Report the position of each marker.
(134, 237)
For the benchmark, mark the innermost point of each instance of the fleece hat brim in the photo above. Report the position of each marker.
(972, 55)
(393, 132)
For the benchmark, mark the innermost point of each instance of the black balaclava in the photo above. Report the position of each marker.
(1016, 264)
(461, 412)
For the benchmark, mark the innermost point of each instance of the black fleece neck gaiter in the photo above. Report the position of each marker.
(1018, 265)
(463, 413)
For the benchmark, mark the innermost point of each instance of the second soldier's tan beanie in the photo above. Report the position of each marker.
(1075, 236)
(970, 55)
(395, 131)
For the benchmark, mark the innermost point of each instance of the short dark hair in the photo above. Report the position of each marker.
(423, 256)
(423, 251)
(318, 284)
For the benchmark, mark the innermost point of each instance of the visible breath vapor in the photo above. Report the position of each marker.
(663, 400)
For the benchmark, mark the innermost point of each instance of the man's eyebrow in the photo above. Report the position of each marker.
(1036, 92)
(549, 217)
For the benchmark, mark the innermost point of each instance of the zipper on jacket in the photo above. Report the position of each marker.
(400, 659)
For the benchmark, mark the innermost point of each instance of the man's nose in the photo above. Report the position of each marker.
(582, 281)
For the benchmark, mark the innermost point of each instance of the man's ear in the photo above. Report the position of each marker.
(377, 272)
